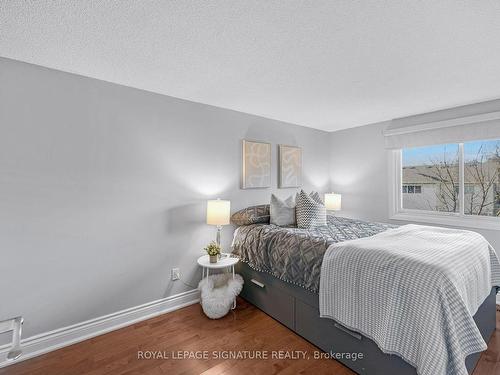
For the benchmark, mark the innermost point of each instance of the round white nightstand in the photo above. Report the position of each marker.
(223, 262)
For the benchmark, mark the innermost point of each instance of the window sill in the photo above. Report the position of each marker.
(475, 222)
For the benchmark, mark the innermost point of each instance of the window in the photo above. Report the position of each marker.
(436, 168)
(482, 178)
(469, 189)
(412, 189)
(458, 180)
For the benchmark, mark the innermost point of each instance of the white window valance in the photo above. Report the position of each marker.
(448, 126)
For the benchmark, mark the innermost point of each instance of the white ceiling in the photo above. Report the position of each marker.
(324, 64)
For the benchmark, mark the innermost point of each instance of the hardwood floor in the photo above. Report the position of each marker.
(246, 329)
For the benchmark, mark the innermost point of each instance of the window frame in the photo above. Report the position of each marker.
(459, 219)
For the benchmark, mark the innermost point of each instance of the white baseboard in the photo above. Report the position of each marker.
(59, 338)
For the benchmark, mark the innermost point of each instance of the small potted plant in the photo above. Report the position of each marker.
(213, 251)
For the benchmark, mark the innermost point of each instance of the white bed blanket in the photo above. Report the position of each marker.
(413, 290)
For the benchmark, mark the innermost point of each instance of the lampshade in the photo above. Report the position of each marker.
(333, 202)
(218, 212)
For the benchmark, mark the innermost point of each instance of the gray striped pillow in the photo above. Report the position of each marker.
(315, 195)
(310, 213)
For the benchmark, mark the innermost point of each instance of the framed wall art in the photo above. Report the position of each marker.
(256, 165)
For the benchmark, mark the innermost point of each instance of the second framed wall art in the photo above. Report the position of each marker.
(290, 166)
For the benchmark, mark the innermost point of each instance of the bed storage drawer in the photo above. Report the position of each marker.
(334, 338)
(349, 340)
(261, 290)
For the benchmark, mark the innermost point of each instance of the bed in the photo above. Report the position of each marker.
(281, 268)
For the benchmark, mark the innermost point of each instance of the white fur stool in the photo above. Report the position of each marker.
(218, 293)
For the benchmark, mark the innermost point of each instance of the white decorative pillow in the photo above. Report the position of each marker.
(282, 212)
(309, 212)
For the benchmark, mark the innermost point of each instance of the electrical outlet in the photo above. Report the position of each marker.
(175, 274)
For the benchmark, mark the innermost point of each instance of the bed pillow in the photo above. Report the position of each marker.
(317, 198)
(251, 215)
(310, 213)
(282, 212)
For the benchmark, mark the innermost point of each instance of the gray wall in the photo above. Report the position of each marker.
(103, 190)
(359, 171)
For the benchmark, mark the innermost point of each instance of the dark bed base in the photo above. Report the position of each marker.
(298, 309)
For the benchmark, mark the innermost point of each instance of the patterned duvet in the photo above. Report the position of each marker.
(295, 255)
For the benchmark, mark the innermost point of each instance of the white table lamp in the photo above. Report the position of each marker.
(218, 213)
(333, 202)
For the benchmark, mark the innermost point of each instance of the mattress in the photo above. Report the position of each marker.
(295, 255)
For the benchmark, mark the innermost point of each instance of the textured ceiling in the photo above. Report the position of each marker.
(324, 64)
